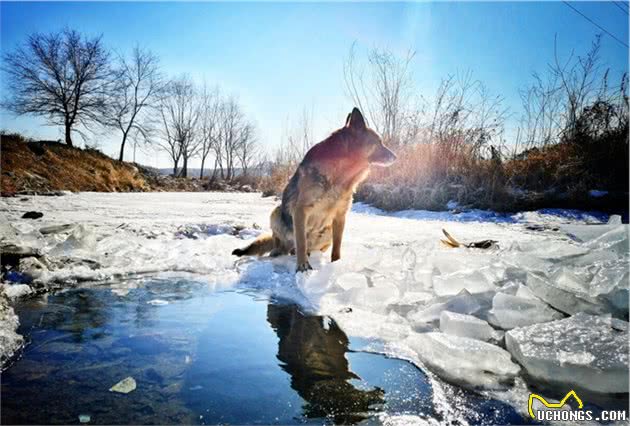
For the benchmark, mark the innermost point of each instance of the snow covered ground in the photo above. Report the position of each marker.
(551, 300)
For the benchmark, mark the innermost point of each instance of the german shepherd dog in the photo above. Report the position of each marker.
(318, 196)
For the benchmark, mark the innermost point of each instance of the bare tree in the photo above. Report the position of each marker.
(137, 83)
(61, 76)
(464, 115)
(231, 121)
(554, 103)
(179, 115)
(382, 88)
(247, 148)
(209, 115)
(298, 140)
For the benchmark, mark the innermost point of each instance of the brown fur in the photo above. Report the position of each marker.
(318, 196)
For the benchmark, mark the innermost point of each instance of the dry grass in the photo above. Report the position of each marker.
(51, 166)
(428, 176)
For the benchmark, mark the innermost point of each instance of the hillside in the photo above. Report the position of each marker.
(45, 167)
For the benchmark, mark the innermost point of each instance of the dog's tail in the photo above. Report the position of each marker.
(262, 245)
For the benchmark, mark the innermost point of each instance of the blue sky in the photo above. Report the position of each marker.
(280, 58)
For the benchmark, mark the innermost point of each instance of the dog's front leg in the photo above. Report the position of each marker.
(300, 217)
(337, 233)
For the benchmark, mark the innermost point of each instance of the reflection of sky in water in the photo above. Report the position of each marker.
(202, 357)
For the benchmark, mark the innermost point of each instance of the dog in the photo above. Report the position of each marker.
(312, 214)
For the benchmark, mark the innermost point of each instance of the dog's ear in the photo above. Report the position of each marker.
(355, 120)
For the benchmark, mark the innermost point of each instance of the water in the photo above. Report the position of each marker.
(204, 357)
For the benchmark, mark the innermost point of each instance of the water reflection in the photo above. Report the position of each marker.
(312, 350)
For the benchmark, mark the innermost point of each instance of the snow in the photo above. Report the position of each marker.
(392, 286)
(582, 350)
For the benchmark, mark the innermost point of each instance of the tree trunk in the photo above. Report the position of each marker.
(214, 170)
(175, 164)
(122, 147)
(203, 160)
(184, 172)
(68, 135)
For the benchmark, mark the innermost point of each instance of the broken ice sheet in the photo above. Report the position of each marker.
(463, 360)
(465, 326)
(583, 350)
(562, 299)
(472, 280)
(463, 303)
(510, 311)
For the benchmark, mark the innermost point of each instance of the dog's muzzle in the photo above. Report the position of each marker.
(383, 157)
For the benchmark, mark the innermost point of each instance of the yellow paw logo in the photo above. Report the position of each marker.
(551, 404)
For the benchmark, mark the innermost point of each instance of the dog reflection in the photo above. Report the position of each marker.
(312, 350)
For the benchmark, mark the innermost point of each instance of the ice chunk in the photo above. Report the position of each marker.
(351, 280)
(81, 238)
(611, 283)
(15, 291)
(33, 268)
(509, 287)
(513, 311)
(562, 299)
(614, 219)
(375, 299)
(465, 326)
(10, 341)
(463, 360)
(619, 325)
(463, 303)
(525, 292)
(570, 281)
(582, 350)
(615, 240)
(475, 281)
(584, 233)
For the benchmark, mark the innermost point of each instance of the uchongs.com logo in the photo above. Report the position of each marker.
(563, 411)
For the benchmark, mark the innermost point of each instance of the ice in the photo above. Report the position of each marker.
(582, 350)
(465, 326)
(524, 292)
(463, 360)
(394, 279)
(561, 299)
(570, 281)
(33, 268)
(10, 340)
(463, 303)
(615, 240)
(82, 239)
(15, 291)
(510, 311)
(352, 280)
(474, 281)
